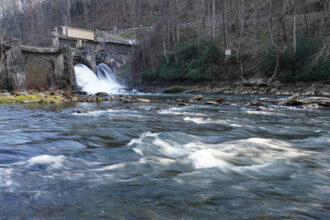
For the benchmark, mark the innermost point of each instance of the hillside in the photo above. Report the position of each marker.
(276, 39)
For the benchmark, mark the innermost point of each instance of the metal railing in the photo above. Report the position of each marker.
(104, 36)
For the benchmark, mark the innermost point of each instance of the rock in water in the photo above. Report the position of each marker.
(79, 93)
(296, 100)
(173, 90)
(211, 103)
(311, 106)
(262, 109)
(257, 103)
(179, 100)
(142, 100)
(102, 94)
(292, 100)
(321, 101)
(198, 98)
(220, 100)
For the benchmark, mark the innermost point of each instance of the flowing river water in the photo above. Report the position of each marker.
(160, 161)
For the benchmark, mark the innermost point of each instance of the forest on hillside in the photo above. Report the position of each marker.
(278, 39)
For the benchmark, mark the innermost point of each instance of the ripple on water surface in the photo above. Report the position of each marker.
(193, 162)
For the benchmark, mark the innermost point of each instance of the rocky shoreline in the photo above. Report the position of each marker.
(58, 97)
(245, 88)
(307, 96)
(50, 97)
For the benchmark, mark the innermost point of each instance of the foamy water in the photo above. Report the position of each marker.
(46, 161)
(92, 83)
(160, 161)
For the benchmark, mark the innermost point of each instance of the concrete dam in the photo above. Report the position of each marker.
(52, 68)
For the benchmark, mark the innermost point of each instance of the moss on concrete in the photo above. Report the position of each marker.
(31, 98)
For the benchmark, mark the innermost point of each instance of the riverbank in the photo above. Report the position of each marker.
(217, 89)
(243, 88)
(50, 97)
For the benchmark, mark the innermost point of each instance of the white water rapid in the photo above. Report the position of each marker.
(103, 81)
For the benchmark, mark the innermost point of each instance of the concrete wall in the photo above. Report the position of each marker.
(49, 69)
(12, 75)
(37, 68)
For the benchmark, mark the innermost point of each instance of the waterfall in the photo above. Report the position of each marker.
(103, 81)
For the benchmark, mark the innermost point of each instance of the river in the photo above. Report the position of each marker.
(161, 161)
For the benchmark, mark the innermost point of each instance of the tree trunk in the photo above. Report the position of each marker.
(213, 19)
(68, 12)
(225, 25)
(289, 47)
(294, 28)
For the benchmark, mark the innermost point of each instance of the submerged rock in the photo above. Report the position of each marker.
(179, 100)
(82, 111)
(257, 103)
(225, 103)
(311, 106)
(262, 109)
(127, 101)
(211, 103)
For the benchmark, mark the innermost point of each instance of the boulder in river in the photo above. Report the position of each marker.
(102, 94)
(220, 100)
(292, 100)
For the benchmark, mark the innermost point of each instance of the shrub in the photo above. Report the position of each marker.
(198, 60)
(306, 70)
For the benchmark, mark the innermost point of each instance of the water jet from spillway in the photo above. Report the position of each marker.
(103, 81)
